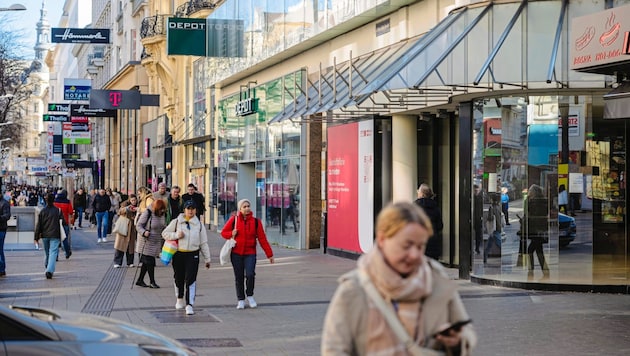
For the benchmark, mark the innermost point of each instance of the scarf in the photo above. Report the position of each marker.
(406, 294)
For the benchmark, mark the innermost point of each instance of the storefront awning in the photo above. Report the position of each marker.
(478, 48)
(617, 102)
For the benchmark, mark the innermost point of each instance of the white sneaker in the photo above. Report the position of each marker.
(189, 310)
(99, 241)
(181, 303)
(240, 305)
(104, 239)
(251, 302)
(130, 266)
(116, 266)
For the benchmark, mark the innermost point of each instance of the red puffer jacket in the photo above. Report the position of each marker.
(247, 234)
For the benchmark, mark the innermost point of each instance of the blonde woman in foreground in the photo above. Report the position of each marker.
(416, 296)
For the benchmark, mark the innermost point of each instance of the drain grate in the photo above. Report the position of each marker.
(101, 302)
(224, 342)
(179, 316)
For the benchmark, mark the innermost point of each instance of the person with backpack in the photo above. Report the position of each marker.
(192, 238)
(245, 229)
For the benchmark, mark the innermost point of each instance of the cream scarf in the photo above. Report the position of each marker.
(405, 293)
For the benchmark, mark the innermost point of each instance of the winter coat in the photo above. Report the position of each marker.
(434, 245)
(101, 203)
(62, 202)
(126, 243)
(173, 213)
(195, 238)
(247, 235)
(48, 223)
(347, 323)
(5, 214)
(79, 201)
(154, 224)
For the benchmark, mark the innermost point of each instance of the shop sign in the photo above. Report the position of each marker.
(86, 111)
(186, 36)
(80, 35)
(599, 39)
(246, 107)
(58, 108)
(574, 125)
(55, 118)
(76, 89)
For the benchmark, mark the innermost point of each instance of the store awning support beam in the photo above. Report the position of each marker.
(556, 44)
(500, 42)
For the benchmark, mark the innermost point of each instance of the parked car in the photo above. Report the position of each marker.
(566, 229)
(35, 331)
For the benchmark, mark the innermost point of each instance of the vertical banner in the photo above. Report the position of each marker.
(342, 175)
(366, 185)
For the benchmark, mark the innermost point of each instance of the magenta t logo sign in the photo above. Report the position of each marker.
(115, 98)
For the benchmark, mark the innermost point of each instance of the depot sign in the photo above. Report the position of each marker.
(601, 39)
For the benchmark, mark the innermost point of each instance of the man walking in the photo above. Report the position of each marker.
(5, 215)
(174, 204)
(80, 204)
(101, 205)
(200, 201)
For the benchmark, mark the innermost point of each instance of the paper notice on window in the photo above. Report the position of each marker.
(576, 182)
(492, 183)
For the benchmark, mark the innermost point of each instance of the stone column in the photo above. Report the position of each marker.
(404, 157)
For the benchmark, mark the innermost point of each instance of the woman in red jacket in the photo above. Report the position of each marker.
(62, 202)
(245, 229)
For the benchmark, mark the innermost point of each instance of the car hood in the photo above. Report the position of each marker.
(86, 328)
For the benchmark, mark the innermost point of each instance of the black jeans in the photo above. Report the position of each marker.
(118, 257)
(244, 273)
(185, 267)
(148, 265)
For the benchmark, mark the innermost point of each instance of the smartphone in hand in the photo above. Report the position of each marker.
(455, 327)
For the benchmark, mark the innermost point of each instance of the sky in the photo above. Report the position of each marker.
(26, 21)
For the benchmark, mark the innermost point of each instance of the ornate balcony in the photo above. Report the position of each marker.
(192, 6)
(153, 26)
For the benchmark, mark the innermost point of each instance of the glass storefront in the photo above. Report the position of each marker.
(272, 152)
(560, 187)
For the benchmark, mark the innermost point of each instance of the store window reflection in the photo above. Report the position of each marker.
(575, 161)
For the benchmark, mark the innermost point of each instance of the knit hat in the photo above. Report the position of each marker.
(241, 202)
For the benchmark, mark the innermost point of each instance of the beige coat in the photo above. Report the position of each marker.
(346, 322)
(126, 243)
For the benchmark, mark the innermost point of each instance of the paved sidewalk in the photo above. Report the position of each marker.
(293, 296)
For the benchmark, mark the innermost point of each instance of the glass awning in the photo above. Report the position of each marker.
(478, 48)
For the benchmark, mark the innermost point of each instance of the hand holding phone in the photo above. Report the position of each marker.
(457, 326)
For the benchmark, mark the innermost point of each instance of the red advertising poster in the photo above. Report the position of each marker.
(342, 176)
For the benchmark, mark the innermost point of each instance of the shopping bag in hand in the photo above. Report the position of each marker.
(168, 250)
(226, 250)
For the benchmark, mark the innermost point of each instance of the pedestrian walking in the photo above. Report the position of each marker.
(426, 200)
(101, 205)
(89, 210)
(537, 226)
(174, 204)
(494, 225)
(150, 226)
(62, 202)
(161, 193)
(478, 217)
(48, 230)
(79, 201)
(198, 198)
(192, 239)
(5, 215)
(145, 199)
(397, 301)
(505, 204)
(246, 230)
(124, 245)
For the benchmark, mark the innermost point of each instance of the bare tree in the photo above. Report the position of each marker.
(15, 88)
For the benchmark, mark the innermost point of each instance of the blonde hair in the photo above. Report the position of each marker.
(395, 216)
(143, 192)
(426, 191)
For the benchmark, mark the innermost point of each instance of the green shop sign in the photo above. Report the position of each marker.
(186, 36)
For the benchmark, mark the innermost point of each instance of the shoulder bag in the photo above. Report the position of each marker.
(226, 250)
(62, 231)
(394, 323)
(121, 227)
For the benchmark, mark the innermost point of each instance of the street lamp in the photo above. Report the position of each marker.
(14, 7)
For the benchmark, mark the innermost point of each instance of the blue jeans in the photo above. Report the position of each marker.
(51, 247)
(3, 261)
(80, 211)
(66, 243)
(102, 220)
(244, 269)
(495, 238)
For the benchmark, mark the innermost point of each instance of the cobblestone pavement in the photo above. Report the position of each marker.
(293, 295)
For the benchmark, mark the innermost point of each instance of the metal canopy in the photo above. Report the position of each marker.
(446, 61)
